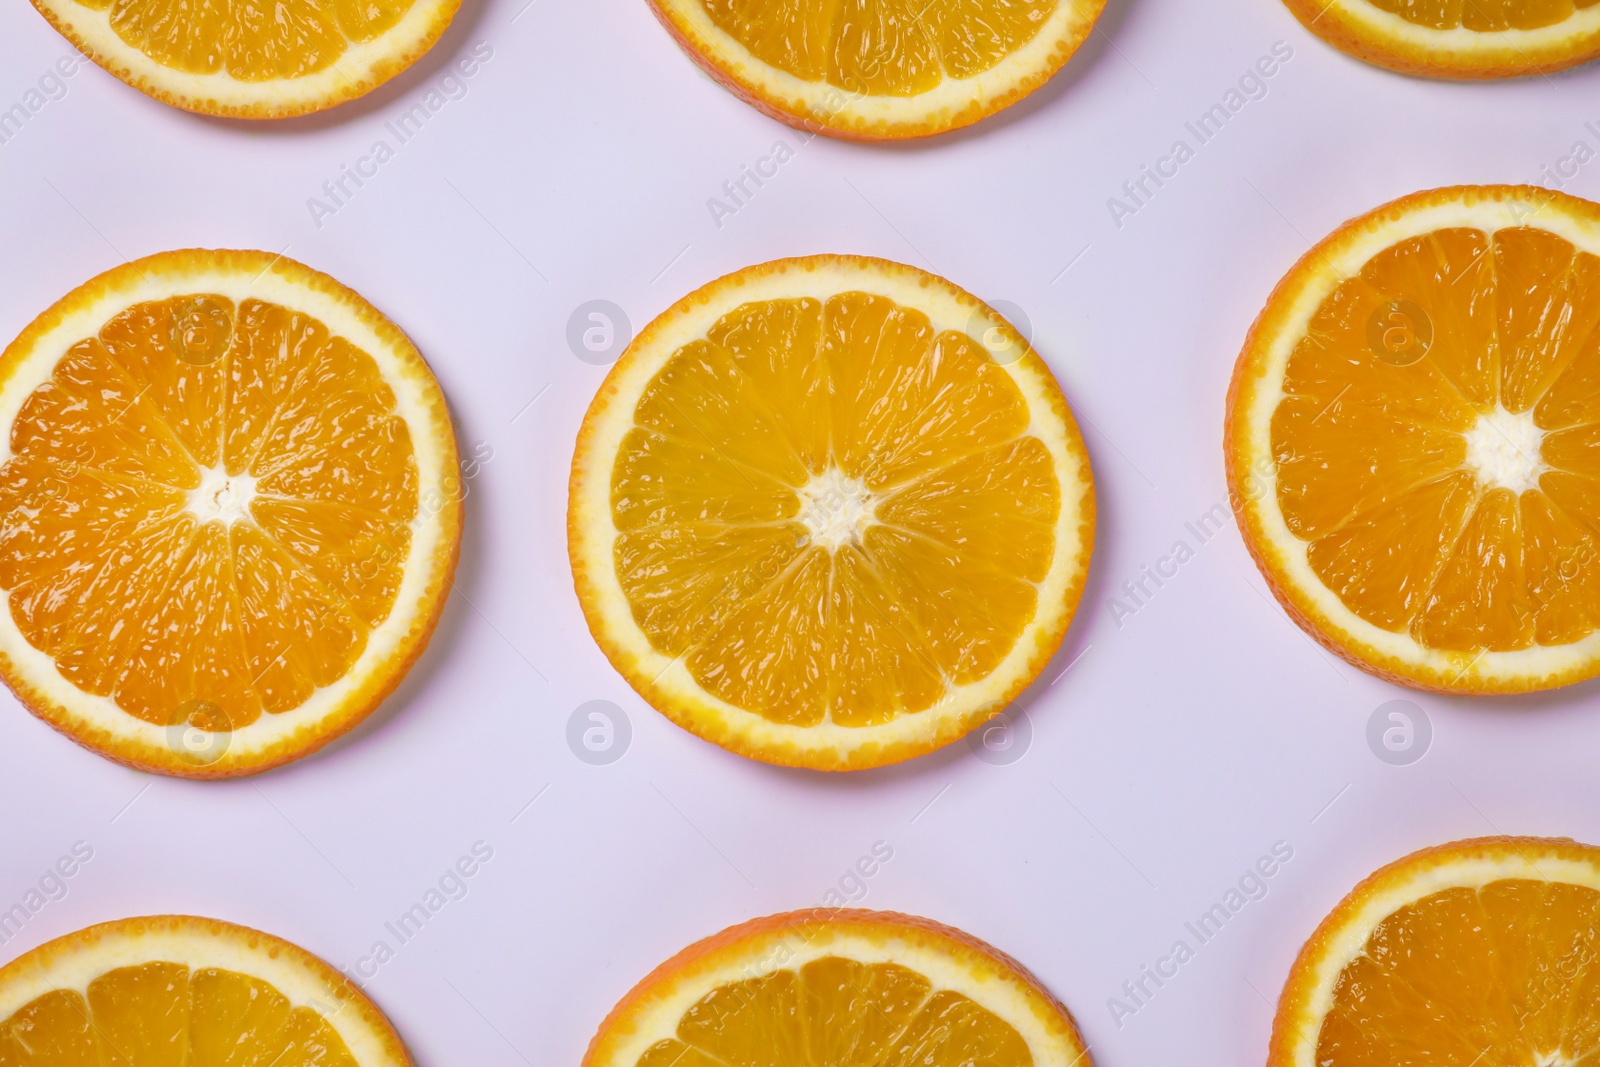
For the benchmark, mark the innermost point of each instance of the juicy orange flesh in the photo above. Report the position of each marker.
(167, 1015)
(1503, 976)
(1484, 16)
(834, 1012)
(114, 576)
(250, 40)
(881, 47)
(707, 494)
(1371, 448)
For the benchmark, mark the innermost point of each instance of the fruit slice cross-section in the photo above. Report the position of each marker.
(253, 60)
(1459, 38)
(880, 69)
(178, 991)
(229, 511)
(829, 512)
(844, 988)
(1478, 952)
(1414, 440)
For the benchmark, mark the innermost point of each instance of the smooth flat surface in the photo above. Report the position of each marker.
(1187, 738)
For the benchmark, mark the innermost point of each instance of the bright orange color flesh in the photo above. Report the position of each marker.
(1371, 453)
(165, 1015)
(1472, 953)
(1484, 15)
(251, 40)
(838, 988)
(841, 1013)
(709, 486)
(881, 47)
(1503, 976)
(110, 572)
(1465, 39)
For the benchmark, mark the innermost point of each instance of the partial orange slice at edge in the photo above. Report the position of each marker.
(1413, 440)
(1484, 951)
(1453, 39)
(843, 987)
(880, 69)
(175, 990)
(247, 60)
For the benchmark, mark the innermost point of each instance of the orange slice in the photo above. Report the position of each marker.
(229, 511)
(880, 69)
(1481, 952)
(815, 520)
(176, 991)
(1414, 440)
(1459, 38)
(839, 987)
(250, 60)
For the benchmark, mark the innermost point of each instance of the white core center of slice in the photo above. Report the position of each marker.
(1503, 450)
(835, 508)
(221, 497)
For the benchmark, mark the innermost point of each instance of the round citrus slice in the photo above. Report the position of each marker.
(229, 511)
(880, 69)
(1458, 38)
(845, 988)
(1413, 440)
(830, 512)
(1478, 952)
(173, 989)
(252, 61)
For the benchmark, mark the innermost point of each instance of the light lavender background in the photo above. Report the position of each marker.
(576, 164)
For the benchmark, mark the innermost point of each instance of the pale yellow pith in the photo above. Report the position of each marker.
(829, 519)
